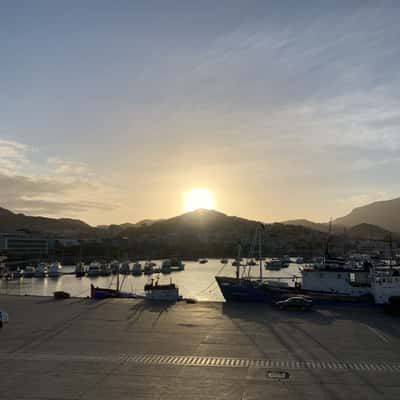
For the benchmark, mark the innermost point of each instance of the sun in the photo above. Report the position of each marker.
(199, 198)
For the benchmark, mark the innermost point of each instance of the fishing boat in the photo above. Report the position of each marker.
(137, 269)
(100, 293)
(54, 270)
(161, 292)
(329, 281)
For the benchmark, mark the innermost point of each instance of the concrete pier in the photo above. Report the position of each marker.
(133, 349)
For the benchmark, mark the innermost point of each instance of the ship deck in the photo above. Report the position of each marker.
(133, 349)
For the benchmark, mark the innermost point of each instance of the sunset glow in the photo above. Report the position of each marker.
(199, 198)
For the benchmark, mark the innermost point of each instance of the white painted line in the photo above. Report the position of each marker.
(378, 333)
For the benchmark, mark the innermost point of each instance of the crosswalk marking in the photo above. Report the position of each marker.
(205, 361)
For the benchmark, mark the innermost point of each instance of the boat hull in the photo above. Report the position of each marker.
(105, 293)
(244, 290)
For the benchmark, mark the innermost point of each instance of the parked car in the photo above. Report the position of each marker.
(297, 302)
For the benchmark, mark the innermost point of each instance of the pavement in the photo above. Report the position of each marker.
(134, 349)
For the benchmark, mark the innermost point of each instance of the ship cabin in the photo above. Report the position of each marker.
(354, 282)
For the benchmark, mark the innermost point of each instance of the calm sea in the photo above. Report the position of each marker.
(196, 281)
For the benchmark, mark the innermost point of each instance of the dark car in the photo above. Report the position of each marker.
(298, 302)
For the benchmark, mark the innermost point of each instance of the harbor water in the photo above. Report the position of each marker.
(196, 281)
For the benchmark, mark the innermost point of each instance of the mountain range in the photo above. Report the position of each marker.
(372, 220)
(384, 215)
(12, 222)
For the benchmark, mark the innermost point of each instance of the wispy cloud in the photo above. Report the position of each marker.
(64, 188)
(13, 156)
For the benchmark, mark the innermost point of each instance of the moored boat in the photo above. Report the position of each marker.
(54, 270)
(125, 268)
(275, 264)
(137, 269)
(177, 264)
(105, 269)
(41, 270)
(94, 269)
(162, 292)
(330, 281)
(148, 268)
(29, 271)
(166, 267)
(80, 270)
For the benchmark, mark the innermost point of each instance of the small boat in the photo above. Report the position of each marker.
(286, 261)
(80, 270)
(105, 269)
(99, 293)
(224, 261)
(299, 260)
(41, 270)
(275, 264)
(13, 274)
(251, 263)
(54, 270)
(125, 268)
(137, 269)
(148, 268)
(177, 265)
(166, 267)
(162, 292)
(29, 271)
(94, 269)
(203, 261)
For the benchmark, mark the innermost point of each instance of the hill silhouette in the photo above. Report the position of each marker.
(385, 214)
(12, 222)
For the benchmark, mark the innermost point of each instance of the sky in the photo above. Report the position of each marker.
(110, 111)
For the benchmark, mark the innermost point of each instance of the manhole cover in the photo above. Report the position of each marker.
(278, 375)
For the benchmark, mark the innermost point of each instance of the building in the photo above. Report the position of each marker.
(23, 244)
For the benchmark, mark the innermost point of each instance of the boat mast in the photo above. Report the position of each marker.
(328, 240)
(260, 251)
(238, 262)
